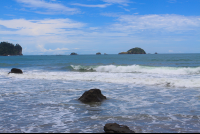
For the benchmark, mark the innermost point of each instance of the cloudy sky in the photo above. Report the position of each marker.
(106, 26)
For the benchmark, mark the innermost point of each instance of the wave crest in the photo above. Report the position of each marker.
(138, 69)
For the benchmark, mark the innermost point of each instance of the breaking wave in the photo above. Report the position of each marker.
(186, 77)
(138, 69)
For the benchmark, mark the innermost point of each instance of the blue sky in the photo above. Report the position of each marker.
(52, 27)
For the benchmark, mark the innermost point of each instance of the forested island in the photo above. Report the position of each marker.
(10, 49)
(135, 50)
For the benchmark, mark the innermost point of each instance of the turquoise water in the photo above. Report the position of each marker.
(148, 93)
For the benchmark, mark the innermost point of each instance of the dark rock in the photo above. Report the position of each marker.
(98, 53)
(116, 128)
(92, 95)
(73, 53)
(136, 50)
(16, 70)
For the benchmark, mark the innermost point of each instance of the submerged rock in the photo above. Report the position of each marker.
(16, 70)
(116, 128)
(92, 95)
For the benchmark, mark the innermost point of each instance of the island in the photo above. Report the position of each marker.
(73, 53)
(135, 50)
(98, 53)
(10, 49)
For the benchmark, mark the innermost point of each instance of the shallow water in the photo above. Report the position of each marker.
(146, 98)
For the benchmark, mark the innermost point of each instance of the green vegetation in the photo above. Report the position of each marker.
(135, 50)
(10, 49)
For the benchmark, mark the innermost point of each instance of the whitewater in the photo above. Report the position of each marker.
(148, 93)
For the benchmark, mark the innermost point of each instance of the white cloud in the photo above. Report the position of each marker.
(42, 49)
(170, 23)
(61, 49)
(94, 28)
(108, 3)
(51, 7)
(41, 27)
(122, 2)
(54, 36)
(85, 5)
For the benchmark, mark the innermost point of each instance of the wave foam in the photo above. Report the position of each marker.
(120, 78)
(139, 69)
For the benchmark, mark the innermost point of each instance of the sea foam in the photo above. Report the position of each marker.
(139, 69)
(170, 79)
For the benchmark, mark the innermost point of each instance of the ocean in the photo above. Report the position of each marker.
(149, 93)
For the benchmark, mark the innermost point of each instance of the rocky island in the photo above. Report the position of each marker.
(73, 53)
(10, 49)
(98, 53)
(135, 50)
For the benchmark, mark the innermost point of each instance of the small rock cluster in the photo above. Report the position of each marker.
(94, 95)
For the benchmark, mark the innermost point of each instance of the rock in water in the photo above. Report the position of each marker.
(93, 95)
(16, 70)
(116, 128)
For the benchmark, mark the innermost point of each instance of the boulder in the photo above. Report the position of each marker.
(16, 70)
(116, 128)
(92, 95)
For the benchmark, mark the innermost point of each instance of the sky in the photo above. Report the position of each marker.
(54, 27)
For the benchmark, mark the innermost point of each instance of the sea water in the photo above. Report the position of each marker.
(148, 93)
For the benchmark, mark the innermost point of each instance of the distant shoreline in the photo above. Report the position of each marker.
(102, 54)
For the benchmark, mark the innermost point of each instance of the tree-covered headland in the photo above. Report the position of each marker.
(10, 49)
(135, 50)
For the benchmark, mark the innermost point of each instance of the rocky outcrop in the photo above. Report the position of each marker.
(116, 128)
(135, 50)
(98, 53)
(10, 49)
(16, 70)
(73, 53)
(92, 95)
